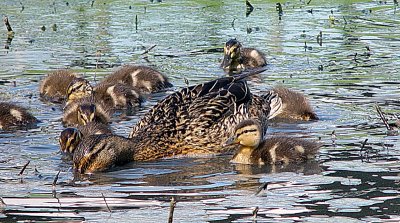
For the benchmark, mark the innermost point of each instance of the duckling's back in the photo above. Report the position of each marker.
(295, 105)
(253, 58)
(147, 79)
(283, 150)
(13, 116)
(54, 86)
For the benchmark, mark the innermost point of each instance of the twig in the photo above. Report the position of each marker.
(186, 81)
(255, 211)
(104, 198)
(54, 184)
(136, 22)
(382, 116)
(23, 168)
(249, 8)
(233, 23)
(7, 23)
(148, 50)
(171, 210)
(262, 187)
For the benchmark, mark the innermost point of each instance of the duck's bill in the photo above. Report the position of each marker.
(229, 142)
(226, 61)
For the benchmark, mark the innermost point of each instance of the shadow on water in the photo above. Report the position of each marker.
(342, 55)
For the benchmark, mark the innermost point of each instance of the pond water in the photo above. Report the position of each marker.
(355, 66)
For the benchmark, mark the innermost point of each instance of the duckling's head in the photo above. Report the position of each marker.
(69, 140)
(232, 57)
(78, 88)
(86, 113)
(247, 134)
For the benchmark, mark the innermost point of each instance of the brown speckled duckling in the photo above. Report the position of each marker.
(71, 137)
(84, 110)
(274, 150)
(294, 105)
(78, 88)
(146, 79)
(54, 87)
(237, 58)
(118, 96)
(14, 117)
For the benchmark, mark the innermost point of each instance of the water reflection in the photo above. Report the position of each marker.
(353, 65)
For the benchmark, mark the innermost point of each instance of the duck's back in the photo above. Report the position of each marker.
(197, 119)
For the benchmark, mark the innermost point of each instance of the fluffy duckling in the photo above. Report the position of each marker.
(274, 150)
(294, 105)
(14, 117)
(54, 86)
(237, 58)
(83, 111)
(71, 137)
(144, 78)
(118, 96)
(78, 88)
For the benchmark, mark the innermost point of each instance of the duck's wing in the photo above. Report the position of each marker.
(210, 119)
(167, 111)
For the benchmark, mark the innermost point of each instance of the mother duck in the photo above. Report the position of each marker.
(196, 120)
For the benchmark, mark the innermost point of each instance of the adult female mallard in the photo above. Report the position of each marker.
(13, 117)
(237, 58)
(274, 150)
(146, 79)
(294, 105)
(196, 120)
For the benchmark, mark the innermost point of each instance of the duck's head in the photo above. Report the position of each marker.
(69, 140)
(86, 113)
(232, 50)
(247, 133)
(79, 88)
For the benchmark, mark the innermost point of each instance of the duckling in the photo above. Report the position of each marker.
(13, 117)
(78, 88)
(237, 58)
(295, 105)
(54, 87)
(274, 150)
(118, 96)
(84, 110)
(71, 137)
(194, 121)
(144, 78)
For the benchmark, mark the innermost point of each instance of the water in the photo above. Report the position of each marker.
(342, 78)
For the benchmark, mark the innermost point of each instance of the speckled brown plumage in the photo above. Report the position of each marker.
(15, 117)
(193, 121)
